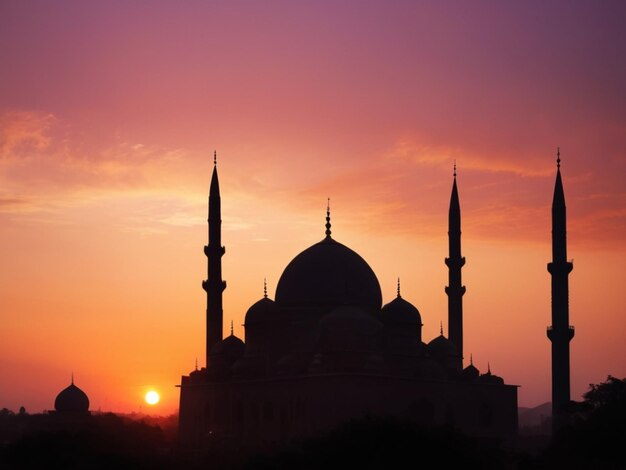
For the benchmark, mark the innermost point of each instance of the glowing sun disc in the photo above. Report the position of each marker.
(152, 397)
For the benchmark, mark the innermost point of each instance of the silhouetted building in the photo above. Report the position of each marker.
(72, 401)
(327, 350)
(561, 332)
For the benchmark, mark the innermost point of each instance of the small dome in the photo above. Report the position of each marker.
(72, 400)
(400, 311)
(229, 347)
(328, 274)
(442, 347)
(261, 312)
(470, 373)
(491, 379)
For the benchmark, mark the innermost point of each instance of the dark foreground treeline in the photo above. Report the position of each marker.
(595, 440)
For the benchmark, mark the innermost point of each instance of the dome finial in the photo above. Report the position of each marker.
(231, 328)
(488, 368)
(454, 173)
(264, 288)
(471, 359)
(214, 157)
(558, 158)
(441, 327)
(196, 363)
(328, 219)
(399, 288)
(72, 377)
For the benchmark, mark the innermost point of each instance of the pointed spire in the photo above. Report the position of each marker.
(455, 207)
(231, 328)
(196, 363)
(264, 288)
(559, 196)
(214, 189)
(488, 368)
(441, 327)
(72, 377)
(328, 219)
(399, 288)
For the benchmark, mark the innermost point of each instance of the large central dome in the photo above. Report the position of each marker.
(328, 274)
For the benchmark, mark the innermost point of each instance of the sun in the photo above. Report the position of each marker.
(152, 397)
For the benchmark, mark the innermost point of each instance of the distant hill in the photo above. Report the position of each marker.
(533, 417)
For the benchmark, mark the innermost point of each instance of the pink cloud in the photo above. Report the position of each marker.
(23, 132)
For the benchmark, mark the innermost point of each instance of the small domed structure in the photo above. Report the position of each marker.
(441, 347)
(470, 373)
(230, 348)
(224, 354)
(261, 312)
(261, 320)
(490, 378)
(403, 325)
(400, 311)
(72, 400)
(445, 352)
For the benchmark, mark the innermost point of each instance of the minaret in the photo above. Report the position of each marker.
(455, 262)
(214, 285)
(560, 333)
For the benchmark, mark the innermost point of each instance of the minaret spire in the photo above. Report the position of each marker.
(560, 333)
(399, 288)
(264, 288)
(214, 285)
(455, 289)
(328, 219)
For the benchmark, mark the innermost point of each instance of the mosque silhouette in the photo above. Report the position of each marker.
(72, 401)
(326, 351)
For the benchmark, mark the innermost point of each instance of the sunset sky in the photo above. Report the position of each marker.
(110, 112)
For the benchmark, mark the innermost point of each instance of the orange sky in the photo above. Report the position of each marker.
(109, 114)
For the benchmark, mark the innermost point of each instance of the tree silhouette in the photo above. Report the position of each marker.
(597, 435)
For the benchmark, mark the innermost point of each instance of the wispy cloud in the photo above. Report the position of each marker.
(413, 150)
(24, 132)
